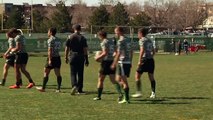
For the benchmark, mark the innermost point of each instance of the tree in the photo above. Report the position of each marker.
(140, 19)
(61, 18)
(15, 18)
(100, 16)
(40, 23)
(108, 2)
(119, 16)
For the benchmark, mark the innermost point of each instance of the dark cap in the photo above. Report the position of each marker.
(76, 27)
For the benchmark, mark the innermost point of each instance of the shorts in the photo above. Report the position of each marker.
(106, 68)
(124, 69)
(10, 60)
(148, 65)
(55, 63)
(21, 58)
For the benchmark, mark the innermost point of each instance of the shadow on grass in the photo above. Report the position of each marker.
(167, 100)
(157, 101)
(186, 98)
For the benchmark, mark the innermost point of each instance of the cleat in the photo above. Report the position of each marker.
(30, 85)
(14, 87)
(120, 98)
(40, 89)
(81, 93)
(58, 91)
(124, 102)
(2, 83)
(73, 90)
(152, 95)
(137, 95)
(96, 98)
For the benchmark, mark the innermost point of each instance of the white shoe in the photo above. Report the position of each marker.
(124, 102)
(137, 95)
(152, 95)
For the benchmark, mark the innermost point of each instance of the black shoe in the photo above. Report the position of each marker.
(2, 83)
(81, 93)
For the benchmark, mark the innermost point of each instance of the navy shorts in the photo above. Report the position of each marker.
(148, 65)
(55, 63)
(21, 58)
(124, 69)
(106, 68)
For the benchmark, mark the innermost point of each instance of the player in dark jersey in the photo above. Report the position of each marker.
(9, 56)
(53, 60)
(124, 60)
(76, 54)
(145, 63)
(186, 46)
(21, 60)
(108, 49)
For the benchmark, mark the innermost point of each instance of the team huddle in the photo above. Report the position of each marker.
(115, 61)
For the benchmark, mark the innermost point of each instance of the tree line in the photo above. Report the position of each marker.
(174, 14)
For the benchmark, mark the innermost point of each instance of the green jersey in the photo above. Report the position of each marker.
(147, 44)
(124, 46)
(55, 44)
(21, 40)
(108, 45)
(11, 43)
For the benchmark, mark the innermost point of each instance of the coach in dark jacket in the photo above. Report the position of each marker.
(76, 55)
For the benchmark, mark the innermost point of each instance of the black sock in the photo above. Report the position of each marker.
(30, 80)
(21, 81)
(138, 85)
(59, 80)
(153, 84)
(126, 94)
(45, 80)
(100, 92)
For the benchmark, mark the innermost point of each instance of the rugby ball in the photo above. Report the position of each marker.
(98, 53)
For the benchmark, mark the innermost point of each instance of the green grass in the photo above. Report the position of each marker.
(184, 92)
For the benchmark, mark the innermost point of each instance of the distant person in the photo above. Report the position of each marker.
(9, 56)
(173, 45)
(146, 63)
(179, 47)
(53, 60)
(76, 54)
(21, 60)
(108, 49)
(123, 59)
(186, 46)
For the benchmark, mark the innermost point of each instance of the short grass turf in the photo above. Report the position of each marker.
(184, 92)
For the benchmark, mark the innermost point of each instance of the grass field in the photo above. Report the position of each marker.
(184, 92)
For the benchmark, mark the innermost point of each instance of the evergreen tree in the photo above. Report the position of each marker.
(61, 18)
(40, 22)
(119, 16)
(140, 19)
(99, 17)
(15, 19)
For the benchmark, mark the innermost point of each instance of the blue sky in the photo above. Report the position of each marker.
(88, 2)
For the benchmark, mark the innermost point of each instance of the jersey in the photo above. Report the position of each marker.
(55, 44)
(76, 43)
(148, 46)
(110, 46)
(124, 46)
(21, 40)
(11, 43)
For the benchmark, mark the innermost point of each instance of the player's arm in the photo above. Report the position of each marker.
(85, 52)
(115, 59)
(7, 52)
(67, 51)
(141, 55)
(17, 48)
(50, 52)
(102, 55)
